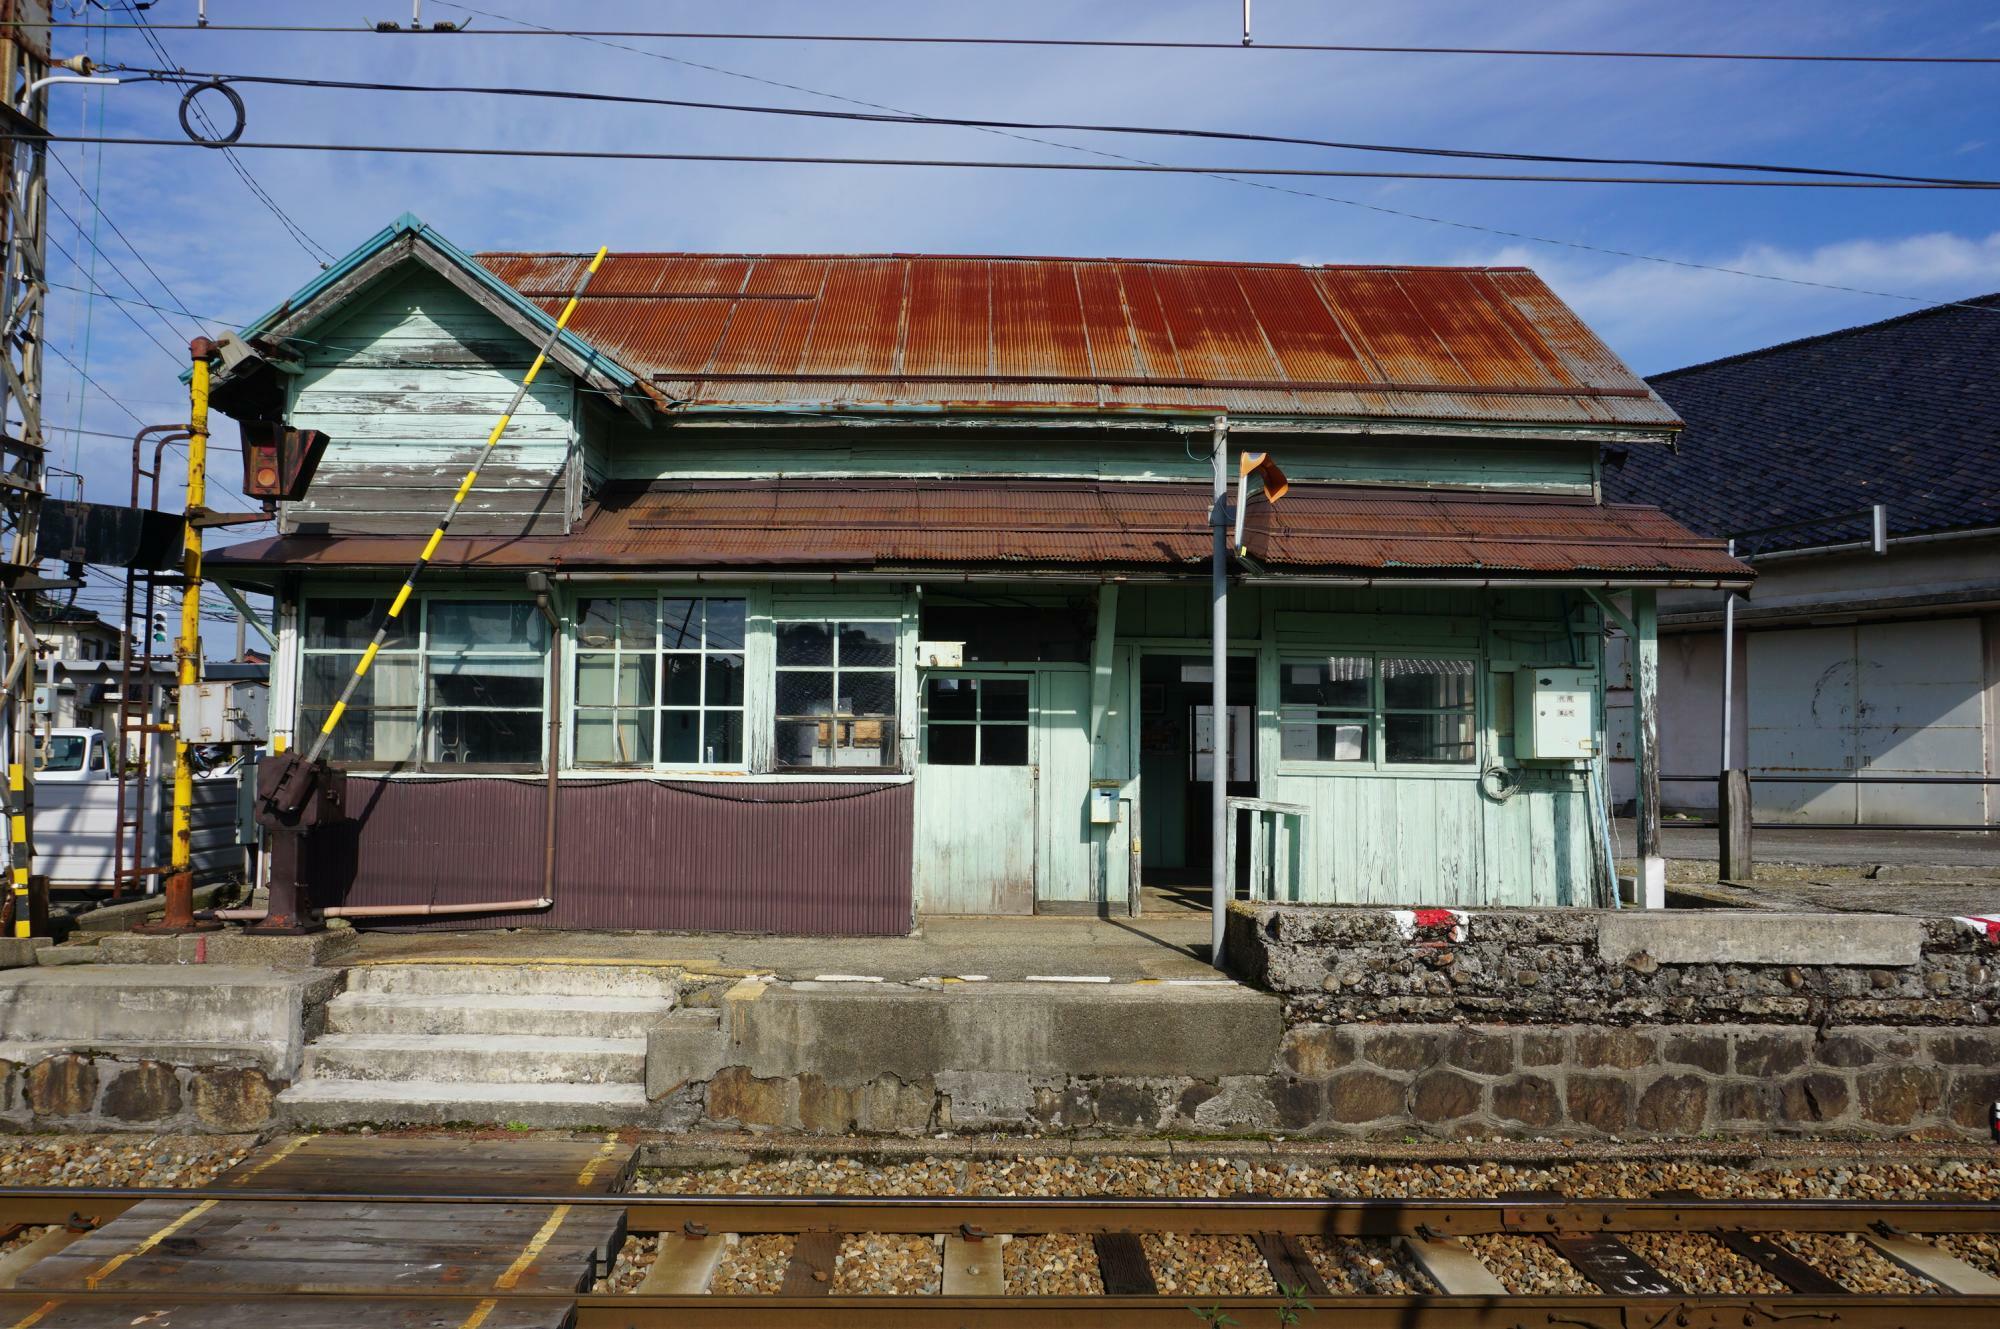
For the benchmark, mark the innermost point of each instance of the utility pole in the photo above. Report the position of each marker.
(24, 64)
(1222, 870)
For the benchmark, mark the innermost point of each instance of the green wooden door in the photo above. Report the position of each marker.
(976, 803)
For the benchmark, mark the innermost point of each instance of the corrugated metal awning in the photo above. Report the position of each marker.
(1110, 527)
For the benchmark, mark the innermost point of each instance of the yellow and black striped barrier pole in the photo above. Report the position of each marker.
(402, 599)
(18, 858)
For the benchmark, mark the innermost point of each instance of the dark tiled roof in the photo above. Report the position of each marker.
(889, 525)
(1904, 412)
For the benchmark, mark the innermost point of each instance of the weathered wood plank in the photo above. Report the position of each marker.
(1291, 1268)
(1935, 1263)
(1453, 1267)
(810, 1272)
(1781, 1264)
(1611, 1264)
(974, 1268)
(16, 1262)
(45, 1311)
(1122, 1265)
(685, 1265)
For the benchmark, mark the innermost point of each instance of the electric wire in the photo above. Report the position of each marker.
(123, 275)
(980, 164)
(97, 289)
(1087, 43)
(119, 231)
(318, 252)
(1294, 191)
(1234, 136)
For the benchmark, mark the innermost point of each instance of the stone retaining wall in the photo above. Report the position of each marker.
(81, 1092)
(1593, 1025)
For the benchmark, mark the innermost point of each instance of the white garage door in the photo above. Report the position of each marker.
(1869, 698)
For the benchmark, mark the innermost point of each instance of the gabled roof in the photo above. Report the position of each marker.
(410, 239)
(1905, 412)
(857, 333)
(913, 525)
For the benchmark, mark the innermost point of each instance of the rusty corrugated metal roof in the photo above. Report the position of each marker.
(942, 332)
(891, 525)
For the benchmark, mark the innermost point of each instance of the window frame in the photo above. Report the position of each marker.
(1377, 712)
(659, 708)
(892, 739)
(418, 652)
(1028, 723)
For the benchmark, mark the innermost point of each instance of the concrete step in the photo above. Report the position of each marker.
(438, 1102)
(516, 979)
(495, 1013)
(476, 1058)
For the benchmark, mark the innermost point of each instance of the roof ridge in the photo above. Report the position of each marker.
(864, 255)
(1929, 311)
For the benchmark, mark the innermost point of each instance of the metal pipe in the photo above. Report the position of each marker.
(543, 593)
(1220, 868)
(391, 910)
(1728, 670)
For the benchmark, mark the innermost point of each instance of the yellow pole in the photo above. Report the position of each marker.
(179, 912)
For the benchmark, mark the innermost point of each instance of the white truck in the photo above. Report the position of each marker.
(76, 814)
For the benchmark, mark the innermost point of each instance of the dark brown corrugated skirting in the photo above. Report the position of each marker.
(808, 857)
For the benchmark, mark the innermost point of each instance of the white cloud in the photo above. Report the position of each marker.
(1652, 312)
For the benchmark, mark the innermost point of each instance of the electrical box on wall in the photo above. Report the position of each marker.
(1553, 714)
(224, 712)
(941, 654)
(1103, 807)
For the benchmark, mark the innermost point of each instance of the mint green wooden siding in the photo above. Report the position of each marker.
(1064, 835)
(407, 386)
(620, 450)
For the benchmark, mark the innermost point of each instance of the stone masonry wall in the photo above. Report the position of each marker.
(77, 1091)
(1587, 1024)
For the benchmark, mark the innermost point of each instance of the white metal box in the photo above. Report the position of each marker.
(1553, 715)
(1104, 807)
(225, 712)
(941, 654)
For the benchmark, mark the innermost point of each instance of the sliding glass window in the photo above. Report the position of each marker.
(658, 681)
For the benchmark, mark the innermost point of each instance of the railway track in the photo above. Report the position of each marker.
(228, 1256)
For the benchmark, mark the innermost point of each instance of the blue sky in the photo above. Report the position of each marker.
(227, 258)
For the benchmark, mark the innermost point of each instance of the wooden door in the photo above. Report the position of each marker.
(976, 794)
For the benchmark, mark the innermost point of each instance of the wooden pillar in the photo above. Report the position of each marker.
(1732, 821)
(1646, 732)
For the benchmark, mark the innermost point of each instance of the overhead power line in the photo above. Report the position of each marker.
(877, 117)
(1087, 43)
(119, 231)
(977, 164)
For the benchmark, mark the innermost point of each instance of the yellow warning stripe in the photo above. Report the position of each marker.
(36, 1315)
(432, 547)
(532, 1251)
(105, 1270)
(402, 598)
(333, 717)
(367, 658)
(289, 1148)
(479, 1314)
(604, 1152)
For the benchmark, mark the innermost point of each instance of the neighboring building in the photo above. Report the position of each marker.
(76, 655)
(1847, 663)
(757, 485)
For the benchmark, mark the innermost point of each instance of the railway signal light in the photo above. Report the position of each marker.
(279, 461)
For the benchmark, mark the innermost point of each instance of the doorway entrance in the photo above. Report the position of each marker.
(1177, 760)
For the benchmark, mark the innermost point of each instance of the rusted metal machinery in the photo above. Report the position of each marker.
(695, 1231)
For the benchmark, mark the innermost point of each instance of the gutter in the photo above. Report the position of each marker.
(1864, 546)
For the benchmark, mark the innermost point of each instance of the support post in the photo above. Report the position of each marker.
(1220, 865)
(178, 913)
(1646, 728)
(1732, 791)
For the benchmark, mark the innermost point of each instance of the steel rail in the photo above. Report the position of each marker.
(918, 1311)
(1242, 1215)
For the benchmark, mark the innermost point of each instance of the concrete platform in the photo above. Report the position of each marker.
(443, 1102)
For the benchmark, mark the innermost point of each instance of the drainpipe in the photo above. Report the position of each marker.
(538, 582)
(1221, 874)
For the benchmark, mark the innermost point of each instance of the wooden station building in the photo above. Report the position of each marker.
(816, 592)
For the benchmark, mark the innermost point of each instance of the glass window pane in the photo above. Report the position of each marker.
(1003, 745)
(867, 644)
(867, 743)
(1418, 684)
(680, 737)
(809, 693)
(683, 680)
(952, 745)
(725, 625)
(1305, 737)
(472, 681)
(352, 620)
(867, 693)
(1003, 699)
(596, 623)
(805, 644)
(680, 625)
(636, 679)
(1345, 681)
(484, 625)
(722, 738)
(636, 624)
(952, 698)
(803, 743)
(614, 738)
(596, 680)
(725, 680)
(366, 735)
(1428, 738)
(466, 737)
